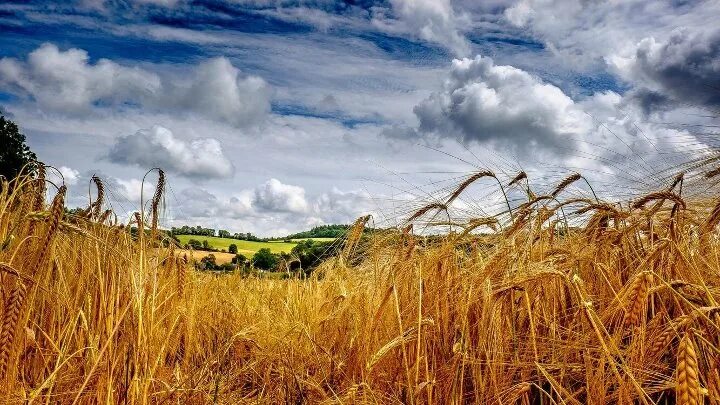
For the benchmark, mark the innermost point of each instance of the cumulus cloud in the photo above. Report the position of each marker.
(158, 147)
(68, 82)
(337, 206)
(219, 90)
(133, 190)
(64, 174)
(685, 68)
(484, 102)
(271, 208)
(431, 20)
(273, 195)
(584, 33)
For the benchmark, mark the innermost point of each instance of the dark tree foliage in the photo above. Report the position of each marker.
(322, 231)
(232, 248)
(239, 259)
(14, 153)
(265, 259)
(195, 244)
(310, 253)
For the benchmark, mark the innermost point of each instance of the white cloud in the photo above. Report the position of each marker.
(431, 20)
(67, 82)
(158, 147)
(583, 33)
(133, 190)
(685, 68)
(219, 90)
(67, 175)
(503, 105)
(271, 208)
(337, 206)
(273, 195)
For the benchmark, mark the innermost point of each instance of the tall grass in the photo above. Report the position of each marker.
(621, 307)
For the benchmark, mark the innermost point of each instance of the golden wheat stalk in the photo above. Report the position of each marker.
(490, 222)
(407, 336)
(354, 236)
(425, 209)
(677, 180)
(637, 297)
(157, 197)
(659, 195)
(39, 199)
(9, 327)
(57, 209)
(465, 184)
(520, 176)
(600, 207)
(687, 391)
(565, 183)
(96, 206)
(712, 220)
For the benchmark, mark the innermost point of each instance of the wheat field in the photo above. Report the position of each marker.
(558, 301)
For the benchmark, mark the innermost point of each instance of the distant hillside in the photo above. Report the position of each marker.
(322, 231)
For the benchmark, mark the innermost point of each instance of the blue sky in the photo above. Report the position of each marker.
(275, 115)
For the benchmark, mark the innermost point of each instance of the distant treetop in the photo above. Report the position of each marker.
(14, 153)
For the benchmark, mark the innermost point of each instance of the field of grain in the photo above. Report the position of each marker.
(220, 257)
(246, 247)
(556, 301)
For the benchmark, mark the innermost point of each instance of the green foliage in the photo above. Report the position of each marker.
(195, 244)
(232, 248)
(200, 231)
(192, 230)
(323, 231)
(208, 262)
(14, 153)
(310, 253)
(248, 248)
(265, 259)
(239, 259)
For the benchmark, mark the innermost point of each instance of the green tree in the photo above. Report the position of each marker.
(232, 248)
(310, 253)
(195, 244)
(239, 259)
(14, 153)
(265, 259)
(208, 262)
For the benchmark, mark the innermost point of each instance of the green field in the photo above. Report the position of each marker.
(245, 247)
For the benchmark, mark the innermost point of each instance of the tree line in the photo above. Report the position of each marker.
(322, 231)
(301, 261)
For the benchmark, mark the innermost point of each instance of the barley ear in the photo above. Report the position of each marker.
(637, 297)
(9, 327)
(687, 391)
(157, 198)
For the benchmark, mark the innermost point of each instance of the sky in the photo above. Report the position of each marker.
(273, 116)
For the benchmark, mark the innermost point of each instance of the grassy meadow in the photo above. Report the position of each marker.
(246, 247)
(518, 308)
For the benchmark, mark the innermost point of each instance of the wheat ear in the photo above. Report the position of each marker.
(687, 391)
(9, 327)
(637, 297)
